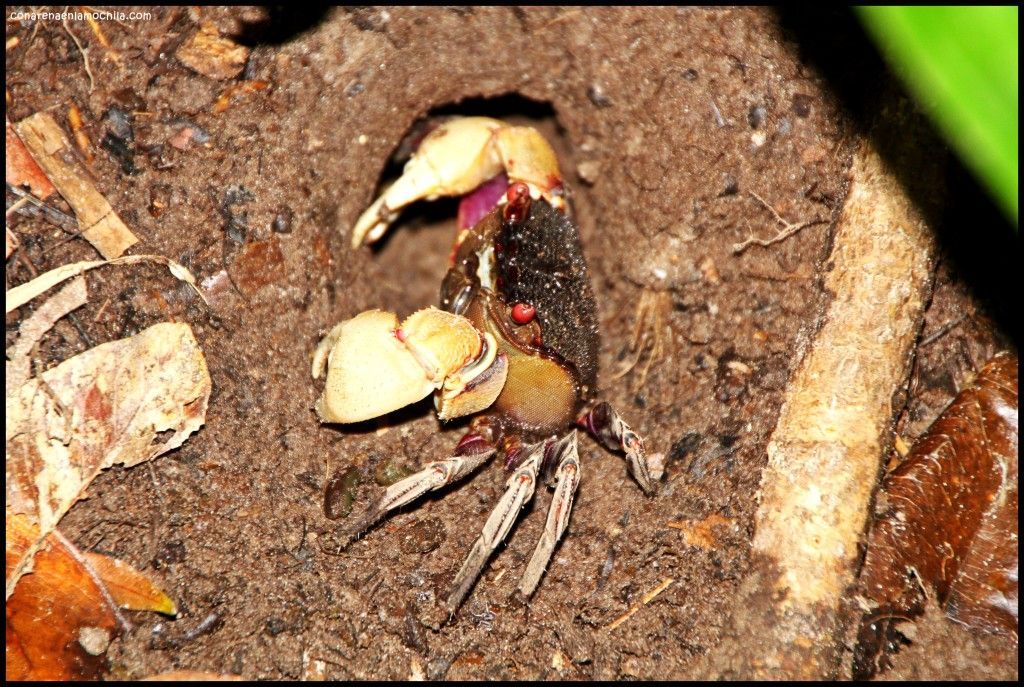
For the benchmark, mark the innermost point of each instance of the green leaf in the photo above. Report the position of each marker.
(961, 65)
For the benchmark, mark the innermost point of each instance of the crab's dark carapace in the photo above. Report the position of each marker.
(530, 257)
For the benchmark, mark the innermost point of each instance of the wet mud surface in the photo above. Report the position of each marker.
(676, 129)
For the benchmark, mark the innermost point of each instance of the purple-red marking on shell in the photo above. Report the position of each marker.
(477, 203)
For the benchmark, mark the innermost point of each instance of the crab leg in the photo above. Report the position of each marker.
(568, 476)
(473, 451)
(610, 429)
(518, 492)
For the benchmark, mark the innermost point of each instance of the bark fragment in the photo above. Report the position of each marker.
(823, 457)
(100, 225)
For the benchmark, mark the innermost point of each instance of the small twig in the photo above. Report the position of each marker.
(85, 55)
(15, 206)
(61, 219)
(719, 119)
(943, 330)
(100, 36)
(569, 14)
(647, 598)
(788, 231)
(103, 309)
(81, 330)
(11, 241)
(23, 256)
(112, 52)
(94, 25)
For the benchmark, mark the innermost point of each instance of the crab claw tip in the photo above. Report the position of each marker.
(474, 391)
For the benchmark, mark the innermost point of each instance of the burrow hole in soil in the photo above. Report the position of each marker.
(416, 247)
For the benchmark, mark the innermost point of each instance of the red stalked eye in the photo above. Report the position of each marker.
(523, 313)
(517, 191)
(518, 206)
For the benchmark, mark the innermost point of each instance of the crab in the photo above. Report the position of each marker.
(515, 341)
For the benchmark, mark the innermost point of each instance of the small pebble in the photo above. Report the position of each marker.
(589, 171)
(802, 105)
(94, 640)
(756, 116)
(598, 96)
(282, 223)
(416, 673)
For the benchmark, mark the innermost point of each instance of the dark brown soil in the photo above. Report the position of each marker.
(667, 123)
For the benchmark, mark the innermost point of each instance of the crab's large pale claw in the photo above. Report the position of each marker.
(456, 158)
(529, 158)
(376, 365)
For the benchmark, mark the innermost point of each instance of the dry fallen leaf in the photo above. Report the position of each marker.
(129, 588)
(22, 170)
(59, 617)
(213, 55)
(948, 522)
(62, 616)
(23, 293)
(114, 403)
(121, 402)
